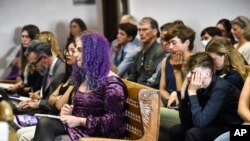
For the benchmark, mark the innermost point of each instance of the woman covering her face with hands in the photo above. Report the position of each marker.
(208, 104)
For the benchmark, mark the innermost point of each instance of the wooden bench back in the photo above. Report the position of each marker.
(139, 110)
(142, 113)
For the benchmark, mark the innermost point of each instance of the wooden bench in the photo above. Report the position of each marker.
(6, 115)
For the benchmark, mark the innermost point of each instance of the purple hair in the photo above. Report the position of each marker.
(95, 61)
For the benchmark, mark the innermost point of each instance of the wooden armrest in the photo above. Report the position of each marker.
(8, 81)
(131, 84)
(147, 101)
(6, 113)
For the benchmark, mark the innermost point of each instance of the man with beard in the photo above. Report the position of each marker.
(40, 57)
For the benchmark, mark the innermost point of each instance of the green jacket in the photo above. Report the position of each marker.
(145, 63)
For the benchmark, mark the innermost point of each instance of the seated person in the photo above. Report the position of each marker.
(62, 94)
(59, 97)
(28, 79)
(243, 108)
(40, 57)
(123, 57)
(180, 40)
(98, 104)
(76, 26)
(208, 103)
(49, 37)
(229, 63)
(226, 29)
(208, 33)
(238, 28)
(146, 61)
(28, 33)
(125, 19)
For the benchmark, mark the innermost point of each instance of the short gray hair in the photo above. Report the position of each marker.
(39, 48)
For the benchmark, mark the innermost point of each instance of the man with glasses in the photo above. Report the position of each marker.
(146, 61)
(40, 57)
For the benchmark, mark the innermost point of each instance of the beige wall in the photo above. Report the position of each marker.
(198, 14)
(51, 15)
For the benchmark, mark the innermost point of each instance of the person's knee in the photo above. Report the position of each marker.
(19, 133)
(174, 130)
(25, 130)
(176, 133)
(45, 122)
(26, 137)
(193, 134)
(223, 137)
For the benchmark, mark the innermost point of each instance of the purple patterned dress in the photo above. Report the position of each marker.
(104, 110)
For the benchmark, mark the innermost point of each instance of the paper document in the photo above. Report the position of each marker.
(20, 98)
(47, 115)
(5, 85)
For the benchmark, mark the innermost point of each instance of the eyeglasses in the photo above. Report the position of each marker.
(69, 51)
(33, 65)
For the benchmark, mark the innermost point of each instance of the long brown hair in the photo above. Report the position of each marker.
(233, 59)
(32, 30)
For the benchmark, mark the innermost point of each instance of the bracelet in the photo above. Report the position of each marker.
(82, 123)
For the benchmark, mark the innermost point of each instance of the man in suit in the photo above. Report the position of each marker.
(40, 57)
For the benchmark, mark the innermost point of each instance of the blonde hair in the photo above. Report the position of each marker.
(49, 37)
(233, 59)
(241, 21)
(246, 33)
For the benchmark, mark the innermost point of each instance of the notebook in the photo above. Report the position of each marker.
(25, 120)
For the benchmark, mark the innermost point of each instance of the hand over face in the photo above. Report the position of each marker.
(116, 48)
(177, 60)
(195, 82)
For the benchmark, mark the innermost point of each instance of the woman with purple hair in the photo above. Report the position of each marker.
(98, 108)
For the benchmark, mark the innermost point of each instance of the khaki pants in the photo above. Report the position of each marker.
(168, 118)
(26, 133)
